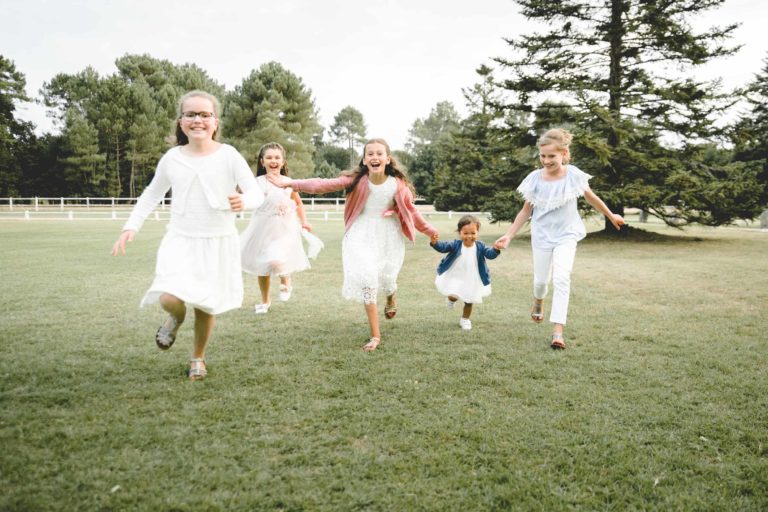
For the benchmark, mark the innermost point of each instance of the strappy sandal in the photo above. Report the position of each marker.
(390, 310)
(372, 344)
(197, 369)
(166, 334)
(558, 343)
(537, 312)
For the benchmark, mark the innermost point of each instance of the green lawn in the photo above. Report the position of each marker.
(659, 403)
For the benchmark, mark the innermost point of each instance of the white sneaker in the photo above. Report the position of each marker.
(261, 309)
(285, 292)
(465, 323)
(449, 303)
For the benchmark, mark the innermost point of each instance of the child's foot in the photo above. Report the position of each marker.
(390, 308)
(558, 343)
(261, 309)
(537, 312)
(372, 344)
(465, 323)
(166, 334)
(450, 301)
(197, 369)
(285, 292)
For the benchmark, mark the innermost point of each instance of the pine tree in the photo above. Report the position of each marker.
(645, 126)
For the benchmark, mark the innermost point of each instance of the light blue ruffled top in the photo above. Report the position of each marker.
(555, 218)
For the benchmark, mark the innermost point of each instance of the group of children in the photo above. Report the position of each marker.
(201, 257)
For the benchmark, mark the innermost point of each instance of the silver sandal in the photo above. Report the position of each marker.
(197, 369)
(166, 334)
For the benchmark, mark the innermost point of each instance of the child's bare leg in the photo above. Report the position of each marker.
(174, 306)
(204, 323)
(264, 288)
(467, 310)
(372, 313)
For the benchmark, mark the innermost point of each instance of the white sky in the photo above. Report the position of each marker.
(391, 59)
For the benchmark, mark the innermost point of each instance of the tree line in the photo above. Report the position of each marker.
(653, 139)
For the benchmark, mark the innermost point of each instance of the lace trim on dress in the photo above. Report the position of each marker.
(550, 195)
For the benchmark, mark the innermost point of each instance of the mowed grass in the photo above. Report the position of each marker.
(659, 403)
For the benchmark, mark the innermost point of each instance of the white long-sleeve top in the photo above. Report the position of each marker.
(200, 185)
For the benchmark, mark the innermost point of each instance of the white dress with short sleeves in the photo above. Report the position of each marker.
(555, 218)
(373, 247)
(272, 244)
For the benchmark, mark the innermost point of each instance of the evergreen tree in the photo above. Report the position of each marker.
(13, 133)
(349, 128)
(616, 64)
(273, 105)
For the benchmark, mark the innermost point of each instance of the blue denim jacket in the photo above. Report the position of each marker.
(454, 249)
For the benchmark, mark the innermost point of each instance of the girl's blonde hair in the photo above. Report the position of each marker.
(180, 137)
(560, 138)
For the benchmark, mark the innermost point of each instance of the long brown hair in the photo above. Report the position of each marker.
(392, 169)
(260, 169)
(179, 137)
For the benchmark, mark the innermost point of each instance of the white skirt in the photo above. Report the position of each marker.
(372, 254)
(204, 272)
(272, 245)
(462, 279)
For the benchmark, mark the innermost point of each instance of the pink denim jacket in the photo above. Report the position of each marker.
(410, 218)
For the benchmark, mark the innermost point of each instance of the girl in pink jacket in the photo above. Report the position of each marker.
(378, 213)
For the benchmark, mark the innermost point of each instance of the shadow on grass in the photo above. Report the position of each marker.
(633, 234)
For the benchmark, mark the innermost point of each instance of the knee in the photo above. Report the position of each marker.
(562, 282)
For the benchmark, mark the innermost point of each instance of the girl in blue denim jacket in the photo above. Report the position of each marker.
(463, 272)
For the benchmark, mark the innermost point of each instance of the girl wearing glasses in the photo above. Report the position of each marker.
(198, 262)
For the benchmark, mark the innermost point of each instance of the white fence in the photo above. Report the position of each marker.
(119, 208)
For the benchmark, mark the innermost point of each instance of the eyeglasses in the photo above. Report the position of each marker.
(190, 116)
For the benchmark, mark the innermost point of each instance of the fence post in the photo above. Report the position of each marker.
(36, 203)
(450, 214)
(325, 215)
(114, 215)
(62, 204)
(10, 202)
(71, 216)
(87, 203)
(26, 214)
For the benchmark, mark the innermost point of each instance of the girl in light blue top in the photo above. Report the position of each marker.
(551, 195)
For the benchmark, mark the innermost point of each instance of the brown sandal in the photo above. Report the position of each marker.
(372, 344)
(537, 312)
(558, 343)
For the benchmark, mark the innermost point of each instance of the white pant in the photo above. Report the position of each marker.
(555, 264)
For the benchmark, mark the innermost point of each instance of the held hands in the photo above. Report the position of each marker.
(434, 238)
(502, 243)
(307, 226)
(279, 180)
(235, 202)
(125, 236)
(617, 220)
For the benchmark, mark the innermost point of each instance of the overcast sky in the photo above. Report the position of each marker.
(391, 59)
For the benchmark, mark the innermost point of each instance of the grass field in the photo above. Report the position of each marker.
(659, 403)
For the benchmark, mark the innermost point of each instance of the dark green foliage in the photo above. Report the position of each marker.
(273, 105)
(15, 135)
(641, 131)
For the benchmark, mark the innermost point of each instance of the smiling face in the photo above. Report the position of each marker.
(468, 234)
(273, 161)
(201, 127)
(552, 158)
(376, 157)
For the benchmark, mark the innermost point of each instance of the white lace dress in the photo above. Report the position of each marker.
(272, 244)
(373, 248)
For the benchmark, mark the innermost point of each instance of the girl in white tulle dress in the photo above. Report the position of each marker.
(551, 195)
(272, 244)
(378, 213)
(198, 262)
(463, 273)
